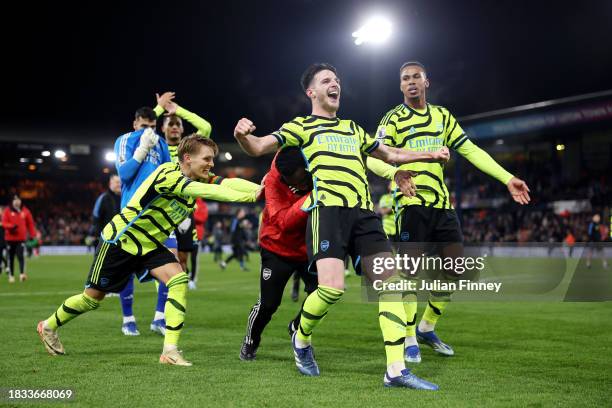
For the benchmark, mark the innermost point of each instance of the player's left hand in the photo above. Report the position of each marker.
(261, 192)
(519, 190)
(405, 182)
(164, 98)
(170, 108)
(148, 139)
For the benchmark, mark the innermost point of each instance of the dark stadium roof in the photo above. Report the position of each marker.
(79, 70)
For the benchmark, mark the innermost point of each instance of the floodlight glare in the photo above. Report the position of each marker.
(228, 156)
(59, 154)
(110, 156)
(376, 31)
(46, 153)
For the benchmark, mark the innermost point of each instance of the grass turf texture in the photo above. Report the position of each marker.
(507, 354)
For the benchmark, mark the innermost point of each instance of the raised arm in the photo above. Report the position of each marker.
(202, 126)
(253, 145)
(484, 162)
(402, 156)
(217, 192)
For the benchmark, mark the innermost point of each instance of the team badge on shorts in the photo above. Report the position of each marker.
(266, 273)
(405, 236)
(324, 245)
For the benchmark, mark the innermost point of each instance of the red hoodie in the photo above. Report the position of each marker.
(283, 223)
(17, 223)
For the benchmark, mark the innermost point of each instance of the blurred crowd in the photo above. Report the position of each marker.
(63, 211)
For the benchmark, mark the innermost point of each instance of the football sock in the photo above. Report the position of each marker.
(392, 320)
(176, 304)
(410, 308)
(158, 315)
(314, 310)
(128, 319)
(71, 308)
(435, 307)
(127, 298)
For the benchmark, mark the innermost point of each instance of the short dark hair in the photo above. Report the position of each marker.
(410, 63)
(289, 160)
(146, 113)
(192, 144)
(312, 70)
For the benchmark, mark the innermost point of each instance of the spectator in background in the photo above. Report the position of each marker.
(18, 223)
(200, 216)
(238, 240)
(216, 240)
(594, 241)
(3, 259)
(107, 206)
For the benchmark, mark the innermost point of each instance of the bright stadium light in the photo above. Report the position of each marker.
(45, 153)
(560, 147)
(376, 31)
(110, 156)
(59, 154)
(228, 156)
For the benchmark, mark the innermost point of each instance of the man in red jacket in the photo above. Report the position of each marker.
(17, 222)
(282, 241)
(200, 216)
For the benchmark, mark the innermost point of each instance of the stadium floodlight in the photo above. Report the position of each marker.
(110, 156)
(560, 147)
(376, 31)
(59, 154)
(45, 153)
(24, 160)
(228, 156)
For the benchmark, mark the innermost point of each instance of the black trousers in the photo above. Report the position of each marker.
(16, 248)
(274, 275)
(238, 252)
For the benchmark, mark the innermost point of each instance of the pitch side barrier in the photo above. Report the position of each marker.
(491, 272)
(84, 250)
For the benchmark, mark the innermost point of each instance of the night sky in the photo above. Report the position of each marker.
(83, 69)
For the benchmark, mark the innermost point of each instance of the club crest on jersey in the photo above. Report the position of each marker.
(439, 126)
(412, 130)
(382, 133)
(266, 273)
(324, 245)
(405, 236)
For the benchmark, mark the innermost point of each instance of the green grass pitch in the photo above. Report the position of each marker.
(507, 354)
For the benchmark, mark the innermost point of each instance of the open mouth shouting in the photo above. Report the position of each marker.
(333, 94)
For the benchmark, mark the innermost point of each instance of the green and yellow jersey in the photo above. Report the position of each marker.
(203, 127)
(173, 153)
(162, 202)
(388, 220)
(429, 130)
(334, 151)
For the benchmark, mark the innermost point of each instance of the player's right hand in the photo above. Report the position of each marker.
(243, 128)
(148, 139)
(442, 155)
(405, 182)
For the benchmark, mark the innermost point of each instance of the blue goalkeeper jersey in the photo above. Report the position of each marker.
(132, 173)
